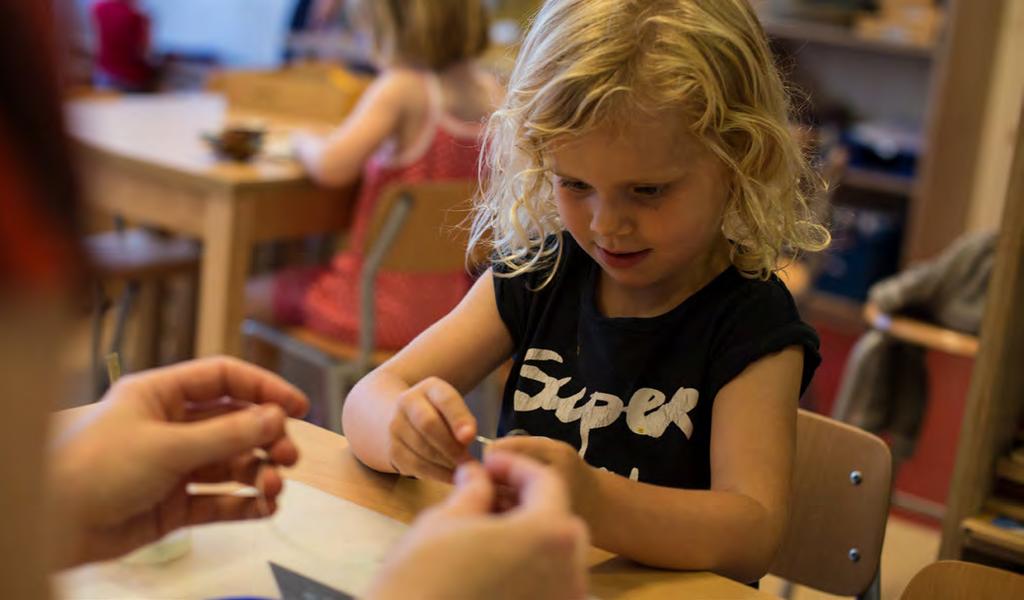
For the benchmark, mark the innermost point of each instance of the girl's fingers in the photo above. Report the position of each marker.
(425, 420)
(450, 404)
(409, 462)
(412, 437)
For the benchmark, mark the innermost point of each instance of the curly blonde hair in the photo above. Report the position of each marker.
(594, 63)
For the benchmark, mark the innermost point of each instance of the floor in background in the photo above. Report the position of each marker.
(909, 547)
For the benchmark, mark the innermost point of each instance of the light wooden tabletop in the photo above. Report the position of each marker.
(143, 158)
(164, 131)
(327, 464)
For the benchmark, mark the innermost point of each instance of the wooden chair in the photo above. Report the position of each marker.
(324, 93)
(839, 507)
(921, 333)
(415, 229)
(955, 580)
(142, 261)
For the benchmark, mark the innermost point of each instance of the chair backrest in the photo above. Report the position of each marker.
(839, 507)
(310, 93)
(434, 233)
(955, 580)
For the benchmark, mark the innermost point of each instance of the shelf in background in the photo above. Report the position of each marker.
(1010, 469)
(1006, 507)
(878, 181)
(981, 534)
(836, 35)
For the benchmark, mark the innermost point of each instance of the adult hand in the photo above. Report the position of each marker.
(460, 549)
(430, 430)
(120, 473)
(564, 460)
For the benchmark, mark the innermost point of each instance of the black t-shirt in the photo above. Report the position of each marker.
(634, 395)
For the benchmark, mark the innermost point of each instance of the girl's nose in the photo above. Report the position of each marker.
(608, 217)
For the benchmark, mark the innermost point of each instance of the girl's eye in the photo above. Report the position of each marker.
(573, 185)
(649, 191)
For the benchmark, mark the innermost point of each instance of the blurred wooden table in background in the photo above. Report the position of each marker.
(142, 158)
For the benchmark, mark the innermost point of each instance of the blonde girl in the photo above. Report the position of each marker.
(421, 120)
(641, 186)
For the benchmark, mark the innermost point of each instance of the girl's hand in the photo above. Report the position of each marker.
(563, 459)
(120, 473)
(430, 431)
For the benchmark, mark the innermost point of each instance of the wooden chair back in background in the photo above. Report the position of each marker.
(323, 93)
(956, 580)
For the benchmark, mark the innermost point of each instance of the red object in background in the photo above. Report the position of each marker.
(122, 31)
(928, 473)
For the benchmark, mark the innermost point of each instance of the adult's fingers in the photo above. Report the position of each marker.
(208, 380)
(214, 509)
(190, 446)
(473, 493)
(210, 509)
(537, 486)
(538, 448)
(242, 469)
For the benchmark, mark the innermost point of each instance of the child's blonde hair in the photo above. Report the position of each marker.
(430, 34)
(592, 63)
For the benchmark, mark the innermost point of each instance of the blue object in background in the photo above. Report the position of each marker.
(885, 147)
(865, 248)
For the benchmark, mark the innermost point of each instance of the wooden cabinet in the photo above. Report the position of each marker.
(995, 404)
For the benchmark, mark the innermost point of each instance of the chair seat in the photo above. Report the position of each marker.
(140, 254)
(334, 348)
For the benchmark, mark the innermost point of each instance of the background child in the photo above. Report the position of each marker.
(122, 53)
(642, 183)
(421, 120)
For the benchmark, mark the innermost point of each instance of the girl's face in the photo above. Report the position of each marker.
(645, 201)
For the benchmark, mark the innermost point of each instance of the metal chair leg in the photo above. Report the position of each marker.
(102, 305)
(337, 383)
(874, 591)
(124, 308)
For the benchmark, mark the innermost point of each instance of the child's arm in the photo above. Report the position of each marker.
(735, 527)
(408, 414)
(338, 159)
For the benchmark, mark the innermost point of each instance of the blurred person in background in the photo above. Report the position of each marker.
(123, 58)
(419, 121)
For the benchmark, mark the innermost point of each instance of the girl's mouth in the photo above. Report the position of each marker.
(621, 260)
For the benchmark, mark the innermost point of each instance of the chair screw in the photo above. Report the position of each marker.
(854, 555)
(856, 477)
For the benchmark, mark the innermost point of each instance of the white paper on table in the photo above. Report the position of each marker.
(331, 540)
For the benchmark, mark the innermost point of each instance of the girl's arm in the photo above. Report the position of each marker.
(337, 160)
(444, 362)
(735, 527)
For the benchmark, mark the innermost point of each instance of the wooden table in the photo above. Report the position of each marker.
(328, 464)
(141, 157)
